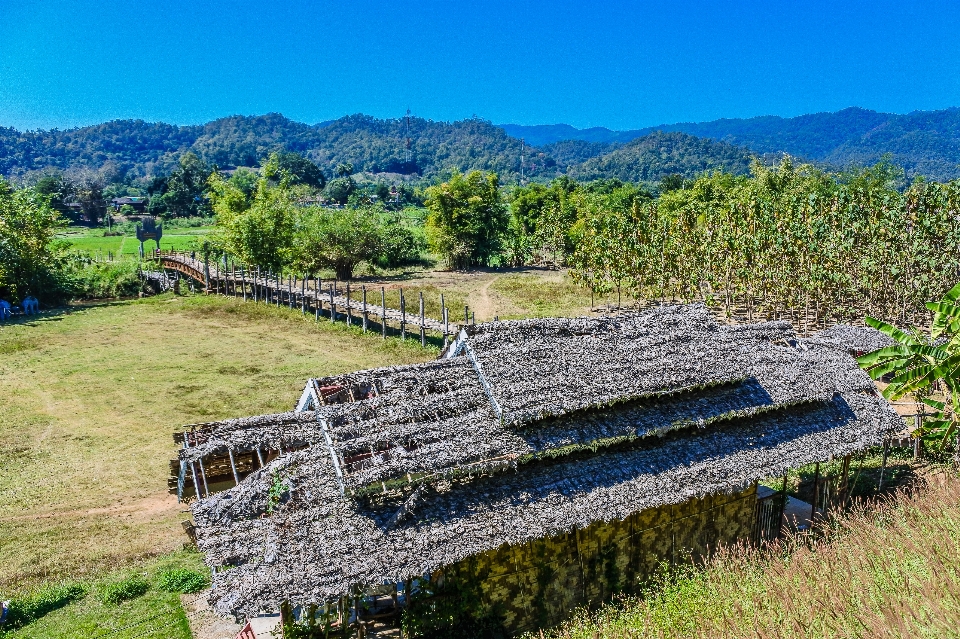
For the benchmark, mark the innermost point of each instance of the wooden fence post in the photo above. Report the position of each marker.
(423, 328)
(383, 311)
(317, 296)
(364, 292)
(403, 316)
(303, 296)
(333, 308)
(349, 310)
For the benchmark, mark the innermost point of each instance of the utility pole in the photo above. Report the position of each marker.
(521, 161)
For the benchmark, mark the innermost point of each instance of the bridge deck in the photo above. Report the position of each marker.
(297, 296)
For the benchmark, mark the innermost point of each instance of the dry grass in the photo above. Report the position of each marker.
(90, 397)
(887, 570)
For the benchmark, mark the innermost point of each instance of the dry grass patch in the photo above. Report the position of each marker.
(887, 570)
(90, 398)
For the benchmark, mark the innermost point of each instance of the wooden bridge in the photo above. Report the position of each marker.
(310, 295)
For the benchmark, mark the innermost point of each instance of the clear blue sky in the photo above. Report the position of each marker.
(617, 64)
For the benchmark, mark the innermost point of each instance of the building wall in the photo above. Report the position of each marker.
(539, 583)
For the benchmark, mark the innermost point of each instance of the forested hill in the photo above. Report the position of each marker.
(924, 142)
(142, 149)
(655, 156)
(135, 149)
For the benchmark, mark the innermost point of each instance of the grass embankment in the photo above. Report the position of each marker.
(91, 395)
(889, 570)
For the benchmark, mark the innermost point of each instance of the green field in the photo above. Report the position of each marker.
(94, 242)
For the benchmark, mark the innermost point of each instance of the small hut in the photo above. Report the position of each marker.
(536, 466)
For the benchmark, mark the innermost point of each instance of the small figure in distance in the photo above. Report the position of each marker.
(5, 310)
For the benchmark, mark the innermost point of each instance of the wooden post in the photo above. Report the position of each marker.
(303, 296)
(883, 464)
(443, 316)
(466, 314)
(446, 327)
(364, 291)
(349, 310)
(403, 316)
(383, 311)
(816, 492)
(290, 291)
(333, 308)
(783, 506)
(243, 282)
(423, 328)
(317, 296)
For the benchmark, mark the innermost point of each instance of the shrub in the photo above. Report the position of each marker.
(29, 608)
(181, 580)
(98, 280)
(124, 590)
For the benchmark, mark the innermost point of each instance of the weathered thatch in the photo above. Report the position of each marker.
(600, 419)
(855, 340)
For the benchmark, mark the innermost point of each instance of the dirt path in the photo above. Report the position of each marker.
(484, 307)
(147, 507)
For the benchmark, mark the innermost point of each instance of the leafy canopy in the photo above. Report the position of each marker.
(467, 219)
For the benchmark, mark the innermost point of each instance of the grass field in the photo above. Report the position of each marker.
(94, 242)
(90, 397)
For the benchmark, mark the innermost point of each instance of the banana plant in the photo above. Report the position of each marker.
(924, 366)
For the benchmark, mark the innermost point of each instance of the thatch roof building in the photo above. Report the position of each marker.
(522, 431)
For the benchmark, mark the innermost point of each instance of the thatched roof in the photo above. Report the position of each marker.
(855, 340)
(600, 418)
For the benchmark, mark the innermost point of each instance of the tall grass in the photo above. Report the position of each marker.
(891, 569)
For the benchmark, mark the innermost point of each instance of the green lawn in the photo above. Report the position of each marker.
(93, 241)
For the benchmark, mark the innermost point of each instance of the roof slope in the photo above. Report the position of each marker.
(602, 418)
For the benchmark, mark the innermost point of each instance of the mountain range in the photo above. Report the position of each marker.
(924, 143)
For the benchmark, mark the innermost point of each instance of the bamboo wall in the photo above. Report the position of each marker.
(538, 584)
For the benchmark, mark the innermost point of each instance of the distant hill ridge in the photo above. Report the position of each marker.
(138, 149)
(923, 142)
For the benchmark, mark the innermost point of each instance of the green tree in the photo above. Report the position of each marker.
(30, 257)
(184, 191)
(340, 189)
(344, 169)
(299, 169)
(337, 238)
(258, 230)
(467, 219)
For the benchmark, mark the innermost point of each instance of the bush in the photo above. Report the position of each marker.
(181, 580)
(124, 590)
(98, 280)
(29, 608)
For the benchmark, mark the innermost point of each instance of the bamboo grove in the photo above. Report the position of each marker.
(789, 241)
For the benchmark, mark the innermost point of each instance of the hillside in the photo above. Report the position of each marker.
(650, 158)
(139, 149)
(372, 145)
(923, 142)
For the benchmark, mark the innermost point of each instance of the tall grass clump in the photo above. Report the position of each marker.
(890, 569)
(117, 592)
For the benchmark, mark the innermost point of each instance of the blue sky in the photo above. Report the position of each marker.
(616, 64)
